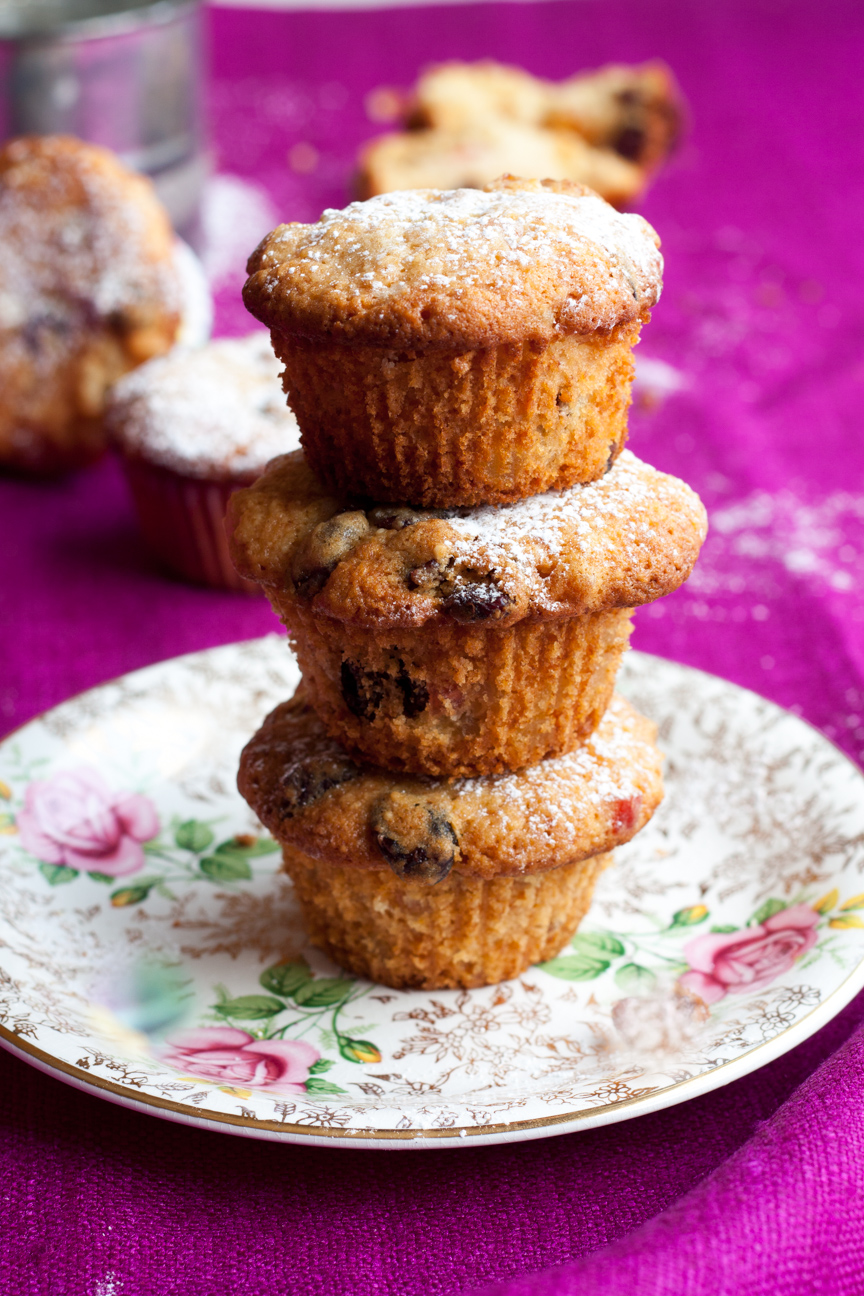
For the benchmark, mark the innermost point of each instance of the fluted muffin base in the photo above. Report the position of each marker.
(463, 932)
(464, 700)
(448, 428)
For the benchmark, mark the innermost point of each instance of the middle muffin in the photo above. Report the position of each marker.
(464, 641)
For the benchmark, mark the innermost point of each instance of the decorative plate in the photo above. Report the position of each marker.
(151, 952)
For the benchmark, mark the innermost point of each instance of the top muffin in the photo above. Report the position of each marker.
(459, 348)
(518, 260)
(88, 290)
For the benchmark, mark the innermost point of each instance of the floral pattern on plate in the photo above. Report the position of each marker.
(150, 947)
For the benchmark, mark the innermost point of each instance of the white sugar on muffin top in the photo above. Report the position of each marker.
(217, 412)
(516, 260)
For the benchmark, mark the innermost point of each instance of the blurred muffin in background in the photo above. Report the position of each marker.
(89, 289)
(193, 427)
(465, 123)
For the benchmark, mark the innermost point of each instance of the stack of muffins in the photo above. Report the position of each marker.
(456, 557)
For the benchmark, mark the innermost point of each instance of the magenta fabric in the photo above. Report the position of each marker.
(757, 1188)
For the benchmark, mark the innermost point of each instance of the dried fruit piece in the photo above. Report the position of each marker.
(414, 836)
(425, 577)
(415, 694)
(306, 780)
(362, 690)
(477, 601)
(325, 546)
(393, 517)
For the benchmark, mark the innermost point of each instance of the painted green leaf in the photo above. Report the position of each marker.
(130, 895)
(225, 868)
(285, 978)
(102, 877)
(316, 1086)
(632, 978)
(247, 847)
(134, 893)
(357, 1050)
(263, 846)
(250, 1007)
(57, 874)
(575, 967)
(689, 916)
(767, 910)
(724, 928)
(323, 1064)
(593, 943)
(323, 993)
(193, 836)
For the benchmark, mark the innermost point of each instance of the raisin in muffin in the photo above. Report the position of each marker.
(194, 426)
(454, 348)
(432, 884)
(89, 289)
(464, 641)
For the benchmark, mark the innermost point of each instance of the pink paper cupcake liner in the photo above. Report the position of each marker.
(182, 520)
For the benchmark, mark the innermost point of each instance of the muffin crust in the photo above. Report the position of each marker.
(520, 260)
(624, 540)
(313, 798)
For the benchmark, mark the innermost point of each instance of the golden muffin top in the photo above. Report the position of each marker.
(519, 260)
(312, 796)
(620, 541)
(83, 236)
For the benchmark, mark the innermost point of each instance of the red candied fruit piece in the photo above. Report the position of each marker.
(625, 813)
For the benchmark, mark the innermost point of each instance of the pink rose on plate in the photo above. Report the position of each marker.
(738, 962)
(227, 1056)
(75, 819)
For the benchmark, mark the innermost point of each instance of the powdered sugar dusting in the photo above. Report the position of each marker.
(549, 517)
(593, 778)
(217, 412)
(596, 768)
(577, 524)
(521, 227)
(76, 235)
(458, 242)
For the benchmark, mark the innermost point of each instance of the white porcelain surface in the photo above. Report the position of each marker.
(190, 927)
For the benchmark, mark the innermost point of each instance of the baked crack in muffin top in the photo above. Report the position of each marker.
(520, 260)
(626, 539)
(311, 795)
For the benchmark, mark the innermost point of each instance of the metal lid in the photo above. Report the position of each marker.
(83, 18)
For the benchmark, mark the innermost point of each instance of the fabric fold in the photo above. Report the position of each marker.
(781, 1217)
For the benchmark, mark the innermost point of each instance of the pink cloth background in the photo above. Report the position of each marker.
(759, 1187)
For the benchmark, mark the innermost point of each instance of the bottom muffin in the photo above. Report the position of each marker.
(433, 883)
(462, 932)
